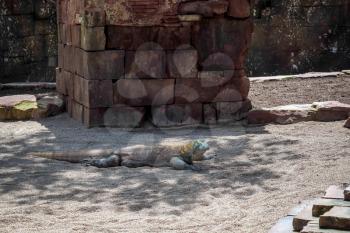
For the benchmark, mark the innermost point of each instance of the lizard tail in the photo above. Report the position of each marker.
(73, 156)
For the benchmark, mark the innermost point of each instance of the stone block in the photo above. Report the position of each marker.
(204, 8)
(145, 64)
(209, 113)
(68, 58)
(93, 38)
(76, 110)
(182, 63)
(142, 92)
(117, 116)
(103, 64)
(232, 111)
(60, 51)
(93, 93)
(94, 17)
(128, 38)
(303, 218)
(75, 32)
(176, 115)
(170, 38)
(324, 205)
(206, 90)
(336, 218)
(239, 9)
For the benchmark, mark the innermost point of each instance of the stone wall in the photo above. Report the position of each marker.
(122, 63)
(28, 40)
(296, 36)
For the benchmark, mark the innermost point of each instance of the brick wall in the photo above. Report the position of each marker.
(123, 63)
(28, 40)
(296, 36)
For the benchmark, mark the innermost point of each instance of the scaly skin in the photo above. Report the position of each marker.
(178, 157)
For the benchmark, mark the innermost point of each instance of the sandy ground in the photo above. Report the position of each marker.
(259, 175)
(300, 91)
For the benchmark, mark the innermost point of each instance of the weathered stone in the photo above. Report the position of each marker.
(139, 92)
(347, 123)
(209, 113)
(103, 64)
(26, 107)
(176, 115)
(205, 8)
(303, 218)
(239, 8)
(94, 18)
(347, 194)
(145, 64)
(182, 63)
(324, 205)
(93, 93)
(116, 116)
(93, 38)
(232, 111)
(281, 115)
(75, 31)
(205, 90)
(331, 111)
(335, 191)
(336, 218)
(314, 227)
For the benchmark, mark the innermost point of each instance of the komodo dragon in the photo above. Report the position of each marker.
(179, 157)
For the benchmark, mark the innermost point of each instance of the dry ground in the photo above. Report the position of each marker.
(259, 175)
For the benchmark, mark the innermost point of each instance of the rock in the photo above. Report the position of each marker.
(314, 227)
(335, 191)
(347, 194)
(287, 114)
(93, 38)
(144, 92)
(204, 8)
(26, 107)
(347, 123)
(177, 114)
(303, 218)
(331, 111)
(322, 206)
(336, 218)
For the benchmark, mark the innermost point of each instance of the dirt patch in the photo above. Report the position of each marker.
(300, 91)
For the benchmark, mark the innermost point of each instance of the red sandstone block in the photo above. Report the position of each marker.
(182, 63)
(228, 111)
(93, 93)
(103, 64)
(78, 61)
(175, 114)
(170, 38)
(145, 64)
(60, 82)
(67, 34)
(64, 82)
(142, 92)
(130, 38)
(77, 110)
(60, 52)
(239, 8)
(206, 90)
(68, 58)
(209, 113)
(75, 32)
(95, 17)
(93, 38)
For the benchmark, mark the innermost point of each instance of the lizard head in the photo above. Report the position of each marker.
(199, 147)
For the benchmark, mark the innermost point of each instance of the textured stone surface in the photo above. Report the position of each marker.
(139, 92)
(336, 218)
(324, 205)
(26, 107)
(303, 218)
(175, 115)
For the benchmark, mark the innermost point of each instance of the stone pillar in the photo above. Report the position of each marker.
(172, 63)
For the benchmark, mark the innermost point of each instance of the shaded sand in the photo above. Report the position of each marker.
(259, 175)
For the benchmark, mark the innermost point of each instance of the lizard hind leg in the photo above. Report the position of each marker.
(111, 161)
(178, 164)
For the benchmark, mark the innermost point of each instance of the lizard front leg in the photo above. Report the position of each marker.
(178, 164)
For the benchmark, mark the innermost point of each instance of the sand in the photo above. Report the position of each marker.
(259, 175)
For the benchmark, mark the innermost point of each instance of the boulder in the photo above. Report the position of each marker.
(26, 107)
